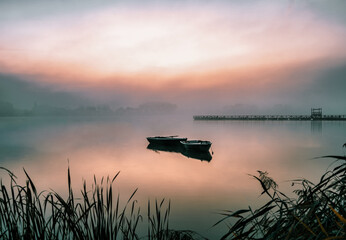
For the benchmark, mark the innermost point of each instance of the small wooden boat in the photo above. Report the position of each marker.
(169, 140)
(196, 145)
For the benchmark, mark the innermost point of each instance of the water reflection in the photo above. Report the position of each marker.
(103, 146)
(316, 126)
(13, 152)
(203, 156)
(200, 155)
(165, 148)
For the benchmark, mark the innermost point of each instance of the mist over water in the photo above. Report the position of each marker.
(83, 83)
(102, 146)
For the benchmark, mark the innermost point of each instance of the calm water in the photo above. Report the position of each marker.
(197, 189)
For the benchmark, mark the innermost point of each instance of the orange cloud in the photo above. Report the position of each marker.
(155, 49)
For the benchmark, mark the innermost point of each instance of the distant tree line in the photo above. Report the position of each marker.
(7, 109)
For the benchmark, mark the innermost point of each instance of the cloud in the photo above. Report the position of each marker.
(213, 52)
(169, 41)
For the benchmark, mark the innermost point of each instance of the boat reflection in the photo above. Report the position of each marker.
(200, 155)
(165, 148)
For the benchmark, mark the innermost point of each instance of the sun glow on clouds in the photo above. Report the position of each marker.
(134, 46)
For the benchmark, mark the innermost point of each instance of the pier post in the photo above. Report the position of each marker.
(316, 113)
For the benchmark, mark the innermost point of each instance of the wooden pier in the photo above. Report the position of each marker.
(316, 115)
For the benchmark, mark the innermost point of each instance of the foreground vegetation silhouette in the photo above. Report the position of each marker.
(98, 214)
(318, 212)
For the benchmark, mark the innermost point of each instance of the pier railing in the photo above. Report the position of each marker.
(271, 117)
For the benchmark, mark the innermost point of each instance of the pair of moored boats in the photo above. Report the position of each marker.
(190, 145)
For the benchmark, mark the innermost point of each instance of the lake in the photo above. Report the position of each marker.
(198, 190)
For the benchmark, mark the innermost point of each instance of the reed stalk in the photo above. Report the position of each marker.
(97, 214)
(317, 212)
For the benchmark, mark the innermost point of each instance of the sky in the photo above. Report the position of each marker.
(202, 55)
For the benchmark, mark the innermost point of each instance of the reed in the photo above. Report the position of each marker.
(27, 214)
(317, 212)
(158, 224)
(97, 214)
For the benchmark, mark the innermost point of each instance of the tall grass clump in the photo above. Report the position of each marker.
(99, 213)
(27, 214)
(317, 212)
(158, 224)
